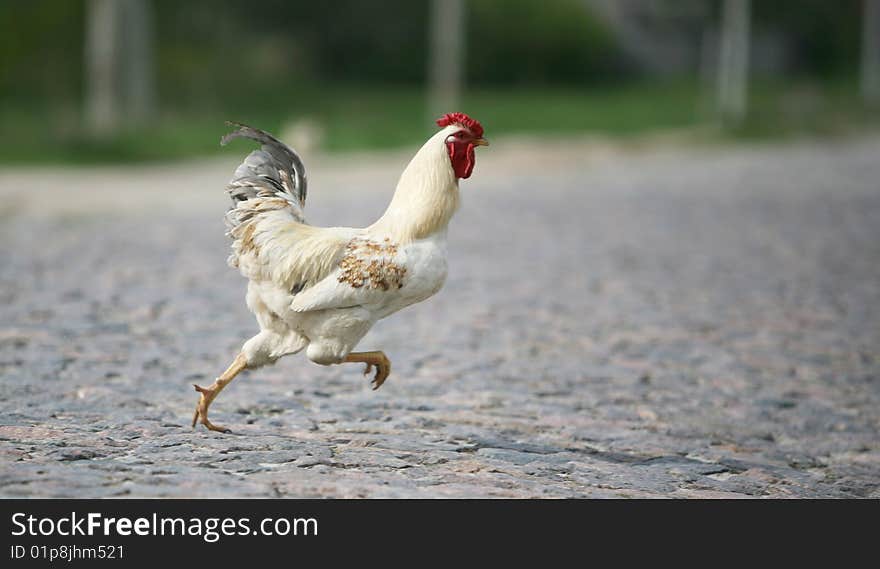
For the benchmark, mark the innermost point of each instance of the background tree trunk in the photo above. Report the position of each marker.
(733, 64)
(871, 52)
(102, 92)
(446, 56)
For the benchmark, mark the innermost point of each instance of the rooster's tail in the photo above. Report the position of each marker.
(271, 182)
(274, 168)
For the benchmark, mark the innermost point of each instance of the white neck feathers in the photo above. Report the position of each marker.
(426, 196)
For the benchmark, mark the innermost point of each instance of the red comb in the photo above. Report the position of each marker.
(460, 118)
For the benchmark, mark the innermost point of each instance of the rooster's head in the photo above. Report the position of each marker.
(460, 142)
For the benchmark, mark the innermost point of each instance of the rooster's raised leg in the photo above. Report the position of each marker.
(378, 359)
(208, 394)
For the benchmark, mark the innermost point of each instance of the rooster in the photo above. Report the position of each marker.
(321, 289)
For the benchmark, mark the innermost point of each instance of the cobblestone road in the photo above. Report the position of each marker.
(685, 323)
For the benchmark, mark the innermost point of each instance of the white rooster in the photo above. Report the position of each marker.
(322, 288)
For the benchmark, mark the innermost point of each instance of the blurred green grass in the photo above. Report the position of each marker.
(355, 117)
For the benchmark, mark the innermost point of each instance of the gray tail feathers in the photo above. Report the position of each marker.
(275, 167)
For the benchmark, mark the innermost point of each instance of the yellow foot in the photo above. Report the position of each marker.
(207, 395)
(383, 368)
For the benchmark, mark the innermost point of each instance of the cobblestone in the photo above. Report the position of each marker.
(679, 323)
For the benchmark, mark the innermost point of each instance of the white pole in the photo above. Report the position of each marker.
(871, 52)
(446, 56)
(733, 65)
(102, 31)
(140, 93)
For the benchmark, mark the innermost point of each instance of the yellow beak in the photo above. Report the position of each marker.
(481, 142)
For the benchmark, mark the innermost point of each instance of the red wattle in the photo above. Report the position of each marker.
(462, 157)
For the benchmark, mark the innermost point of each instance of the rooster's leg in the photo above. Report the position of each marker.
(378, 359)
(208, 394)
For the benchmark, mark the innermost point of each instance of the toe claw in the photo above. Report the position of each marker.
(201, 413)
(382, 372)
(216, 428)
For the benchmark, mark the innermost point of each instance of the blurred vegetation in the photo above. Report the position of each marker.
(827, 34)
(357, 117)
(358, 69)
